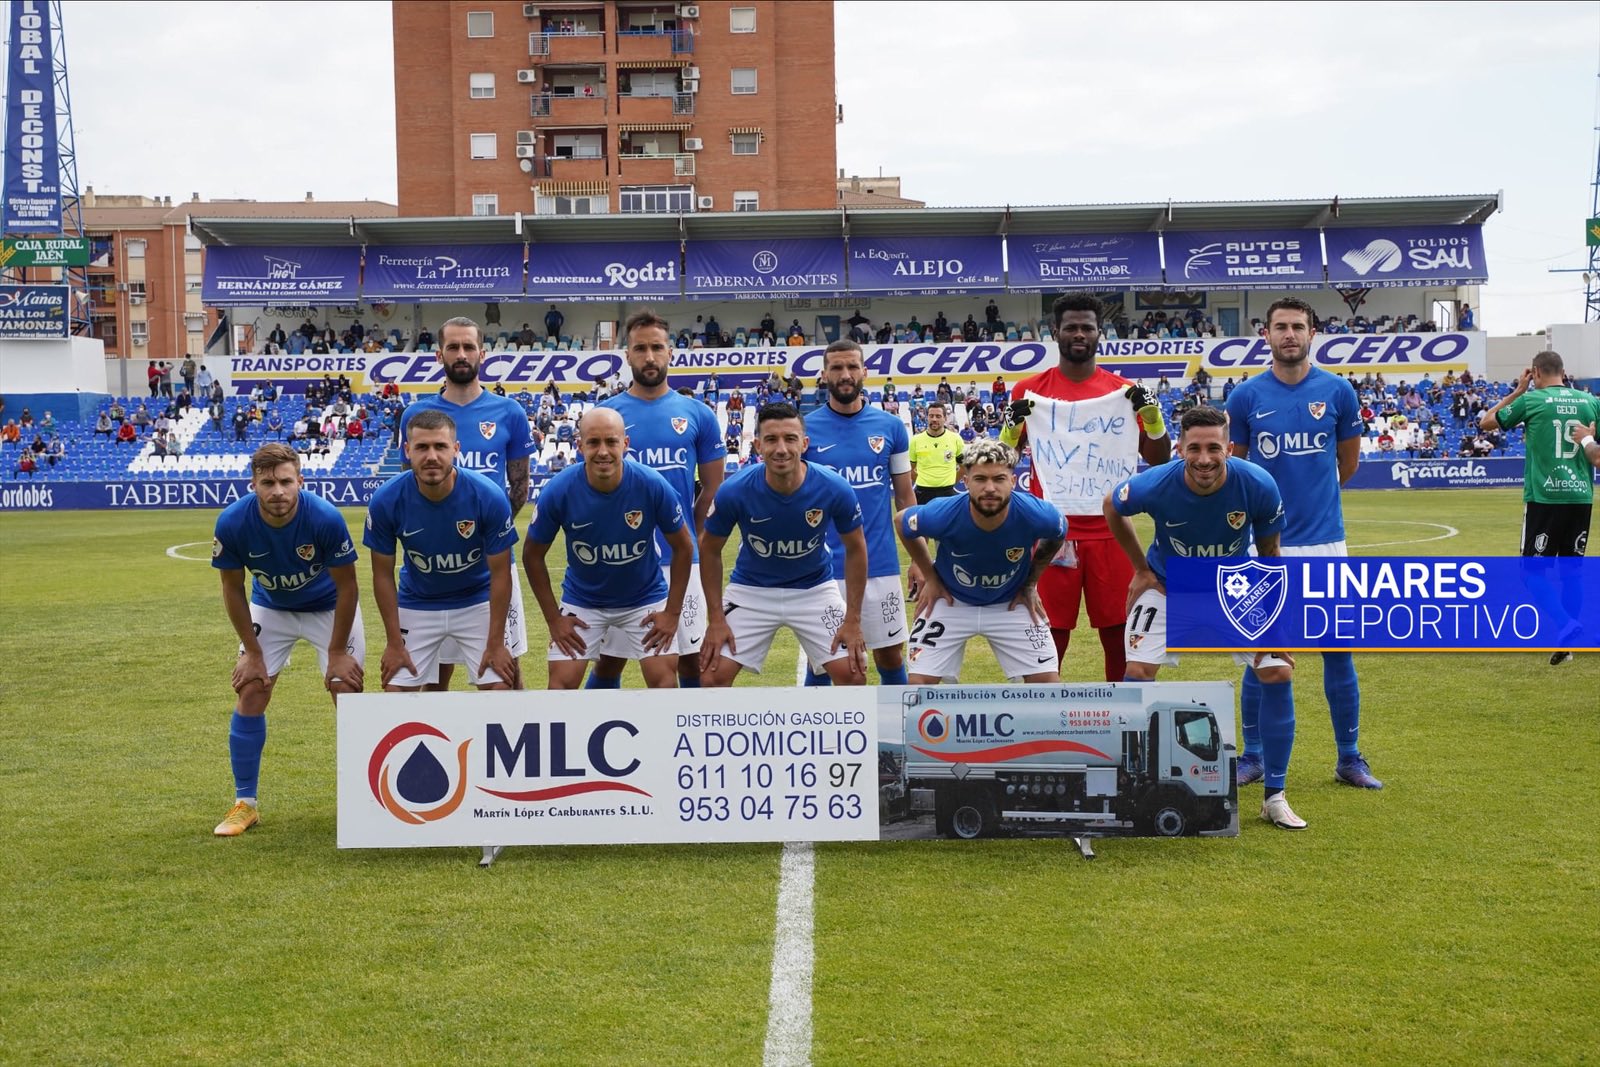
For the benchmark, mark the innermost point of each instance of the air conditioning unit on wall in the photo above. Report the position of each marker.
(526, 151)
(693, 144)
(706, 203)
(689, 11)
(530, 11)
(525, 137)
(527, 77)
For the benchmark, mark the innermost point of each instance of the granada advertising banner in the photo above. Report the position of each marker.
(1243, 259)
(32, 160)
(926, 266)
(1395, 256)
(785, 764)
(1384, 604)
(1042, 263)
(443, 272)
(644, 270)
(799, 266)
(33, 312)
(299, 275)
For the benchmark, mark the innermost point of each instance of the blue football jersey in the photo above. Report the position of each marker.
(984, 566)
(784, 539)
(612, 560)
(674, 435)
(492, 430)
(866, 449)
(1293, 432)
(288, 564)
(445, 546)
(1188, 524)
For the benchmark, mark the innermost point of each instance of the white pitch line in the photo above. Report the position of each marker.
(789, 1010)
(175, 554)
(1449, 531)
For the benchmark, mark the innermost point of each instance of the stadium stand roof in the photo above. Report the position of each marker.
(1444, 210)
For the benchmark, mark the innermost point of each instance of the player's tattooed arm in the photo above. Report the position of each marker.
(517, 483)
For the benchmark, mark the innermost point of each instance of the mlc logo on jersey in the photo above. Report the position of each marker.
(1252, 594)
(421, 780)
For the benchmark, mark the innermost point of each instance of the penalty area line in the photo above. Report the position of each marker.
(175, 552)
(789, 1011)
(1449, 532)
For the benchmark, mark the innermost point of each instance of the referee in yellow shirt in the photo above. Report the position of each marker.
(934, 453)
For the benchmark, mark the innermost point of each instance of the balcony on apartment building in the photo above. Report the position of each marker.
(569, 36)
(653, 35)
(655, 153)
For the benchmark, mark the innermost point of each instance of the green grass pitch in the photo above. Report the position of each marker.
(1453, 917)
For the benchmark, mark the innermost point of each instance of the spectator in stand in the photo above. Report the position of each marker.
(277, 336)
(736, 403)
(1386, 442)
(166, 378)
(969, 329)
(241, 422)
(713, 388)
(216, 412)
(48, 423)
(998, 392)
(941, 327)
(797, 336)
(991, 318)
(1467, 320)
(103, 425)
(526, 337)
(141, 419)
(275, 423)
(355, 429)
(26, 464)
(913, 329)
(424, 339)
(885, 334)
(734, 439)
(183, 403)
(204, 382)
(152, 373)
(117, 411)
(187, 373)
(54, 450)
(320, 347)
(126, 434)
(11, 433)
(558, 461)
(769, 328)
(713, 331)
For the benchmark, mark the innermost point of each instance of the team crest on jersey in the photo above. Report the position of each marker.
(465, 527)
(487, 429)
(814, 516)
(680, 424)
(1135, 640)
(305, 552)
(1014, 554)
(1317, 408)
(633, 519)
(876, 442)
(1236, 519)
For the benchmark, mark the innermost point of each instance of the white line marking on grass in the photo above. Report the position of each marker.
(175, 554)
(1449, 532)
(789, 1011)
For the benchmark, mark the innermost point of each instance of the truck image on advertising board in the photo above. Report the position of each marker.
(1163, 768)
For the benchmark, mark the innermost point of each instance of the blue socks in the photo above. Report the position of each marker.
(1277, 732)
(1339, 685)
(815, 680)
(895, 676)
(688, 683)
(1250, 713)
(596, 682)
(247, 735)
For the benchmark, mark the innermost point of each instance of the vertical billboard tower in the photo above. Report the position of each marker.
(40, 210)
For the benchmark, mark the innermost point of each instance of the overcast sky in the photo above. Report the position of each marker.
(970, 104)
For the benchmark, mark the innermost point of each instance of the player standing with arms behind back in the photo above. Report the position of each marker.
(1303, 426)
(867, 447)
(297, 549)
(495, 442)
(681, 439)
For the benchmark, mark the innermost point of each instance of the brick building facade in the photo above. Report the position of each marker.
(607, 107)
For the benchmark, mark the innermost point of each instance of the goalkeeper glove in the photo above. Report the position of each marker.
(1148, 410)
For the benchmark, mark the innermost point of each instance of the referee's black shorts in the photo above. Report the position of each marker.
(1555, 529)
(926, 493)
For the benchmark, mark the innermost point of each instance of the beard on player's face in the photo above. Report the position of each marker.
(649, 375)
(461, 373)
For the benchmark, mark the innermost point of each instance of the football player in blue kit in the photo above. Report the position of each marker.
(456, 531)
(994, 543)
(297, 550)
(613, 596)
(1303, 426)
(495, 441)
(783, 575)
(1208, 505)
(681, 439)
(870, 449)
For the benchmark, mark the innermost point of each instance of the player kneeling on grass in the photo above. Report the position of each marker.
(614, 601)
(783, 575)
(994, 544)
(1208, 505)
(455, 528)
(297, 549)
